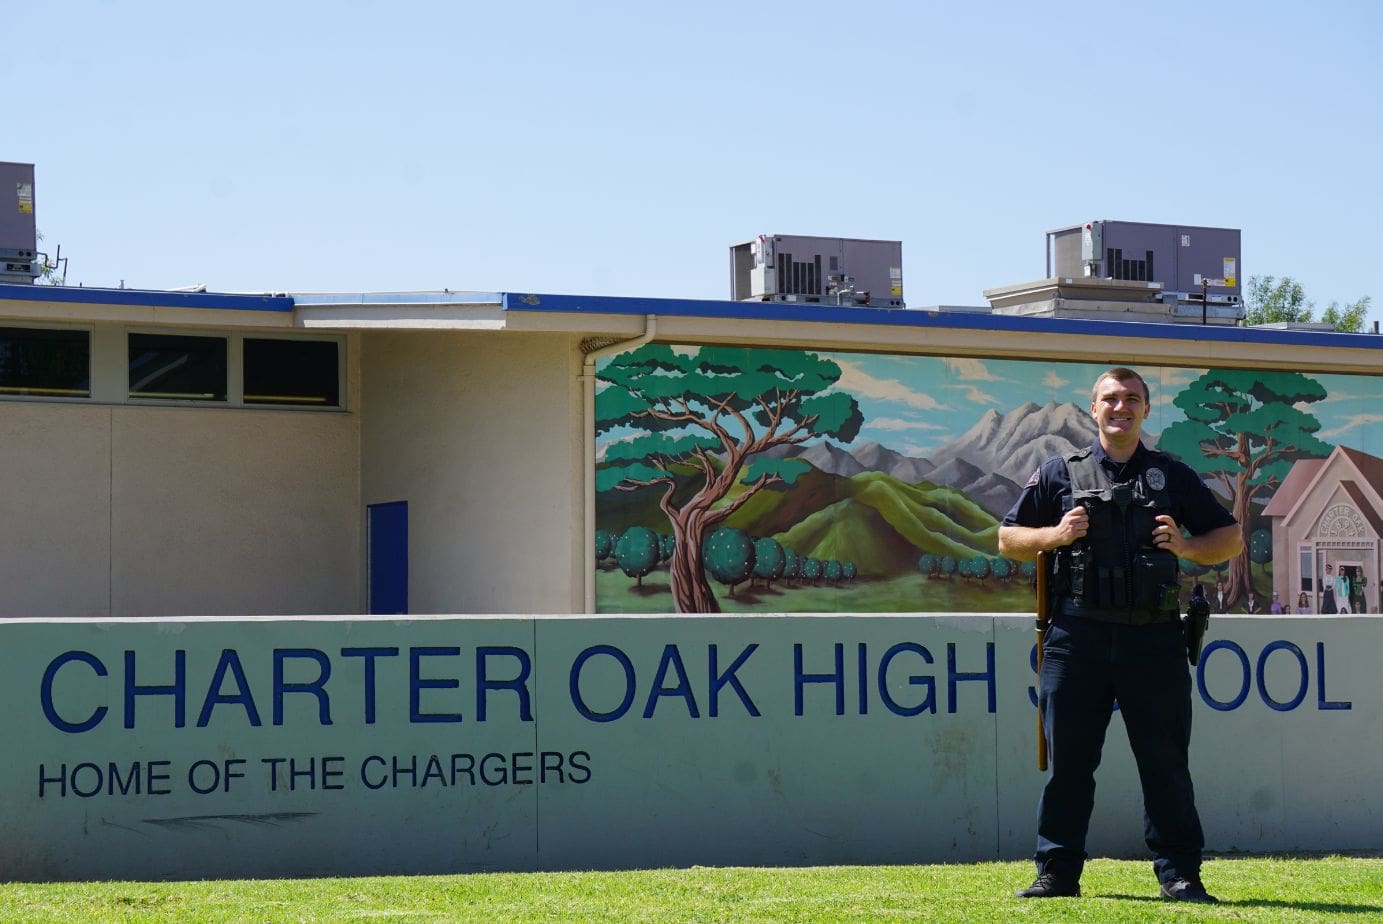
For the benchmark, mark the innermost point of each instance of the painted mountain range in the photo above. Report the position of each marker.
(989, 462)
(881, 509)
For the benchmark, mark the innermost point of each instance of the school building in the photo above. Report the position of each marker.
(333, 583)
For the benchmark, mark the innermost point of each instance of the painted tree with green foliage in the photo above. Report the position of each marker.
(792, 565)
(637, 552)
(769, 560)
(713, 411)
(1243, 431)
(729, 556)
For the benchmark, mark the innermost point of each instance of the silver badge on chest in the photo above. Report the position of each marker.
(1155, 478)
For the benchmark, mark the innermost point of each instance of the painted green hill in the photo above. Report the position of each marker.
(934, 518)
(880, 523)
(851, 531)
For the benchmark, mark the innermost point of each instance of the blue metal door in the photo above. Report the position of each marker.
(386, 541)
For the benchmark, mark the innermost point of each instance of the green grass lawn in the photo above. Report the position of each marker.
(1330, 888)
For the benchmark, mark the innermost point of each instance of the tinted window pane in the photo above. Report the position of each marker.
(182, 368)
(53, 363)
(291, 372)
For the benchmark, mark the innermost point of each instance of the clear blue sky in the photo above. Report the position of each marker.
(619, 148)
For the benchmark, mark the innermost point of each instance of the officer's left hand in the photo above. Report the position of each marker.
(1167, 535)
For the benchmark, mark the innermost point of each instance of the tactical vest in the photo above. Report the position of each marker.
(1115, 573)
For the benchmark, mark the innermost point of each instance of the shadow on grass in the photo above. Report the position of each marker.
(1319, 907)
(649, 589)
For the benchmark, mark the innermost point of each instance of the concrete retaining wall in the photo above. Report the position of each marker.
(261, 746)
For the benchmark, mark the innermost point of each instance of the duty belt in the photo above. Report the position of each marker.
(1138, 617)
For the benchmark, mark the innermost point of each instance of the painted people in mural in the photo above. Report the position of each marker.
(1115, 517)
(766, 480)
(1329, 605)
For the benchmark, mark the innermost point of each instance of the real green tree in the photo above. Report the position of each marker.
(1269, 300)
(1349, 317)
(50, 271)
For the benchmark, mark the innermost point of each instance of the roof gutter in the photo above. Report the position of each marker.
(598, 350)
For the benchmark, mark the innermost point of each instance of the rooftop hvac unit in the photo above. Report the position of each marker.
(817, 271)
(1192, 263)
(18, 233)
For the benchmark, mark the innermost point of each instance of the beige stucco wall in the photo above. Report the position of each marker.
(480, 433)
(155, 511)
(55, 512)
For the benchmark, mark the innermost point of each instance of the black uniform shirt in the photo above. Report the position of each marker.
(1193, 505)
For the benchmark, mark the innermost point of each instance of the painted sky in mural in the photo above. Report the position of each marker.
(916, 405)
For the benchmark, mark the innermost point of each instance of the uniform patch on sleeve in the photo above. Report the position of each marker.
(1034, 479)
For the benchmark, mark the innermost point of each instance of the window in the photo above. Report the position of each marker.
(177, 367)
(45, 363)
(292, 372)
(113, 364)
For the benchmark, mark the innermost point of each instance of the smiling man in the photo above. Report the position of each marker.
(1116, 517)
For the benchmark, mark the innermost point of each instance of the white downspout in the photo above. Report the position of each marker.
(588, 460)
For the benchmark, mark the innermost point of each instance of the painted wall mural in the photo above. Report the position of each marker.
(761, 480)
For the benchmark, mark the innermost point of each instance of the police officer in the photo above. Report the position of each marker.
(1113, 515)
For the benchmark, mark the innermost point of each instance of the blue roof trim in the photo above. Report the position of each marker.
(912, 317)
(308, 299)
(144, 298)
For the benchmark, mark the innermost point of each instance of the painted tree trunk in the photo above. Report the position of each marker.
(691, 592)
(1240, 578)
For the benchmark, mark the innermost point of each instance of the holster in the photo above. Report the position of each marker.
(1196, 623)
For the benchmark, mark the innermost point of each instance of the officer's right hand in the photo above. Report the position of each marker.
(1073, 526)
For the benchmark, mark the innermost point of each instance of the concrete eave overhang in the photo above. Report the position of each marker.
(907, 331)
(445, 310)
(947, 333)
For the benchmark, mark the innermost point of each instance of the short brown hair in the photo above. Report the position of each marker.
(1120, 374)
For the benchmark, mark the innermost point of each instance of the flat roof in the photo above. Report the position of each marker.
(573, 307)
(144, 298)
(924, 318)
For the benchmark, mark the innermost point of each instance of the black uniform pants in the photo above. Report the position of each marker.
(1087, 665)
